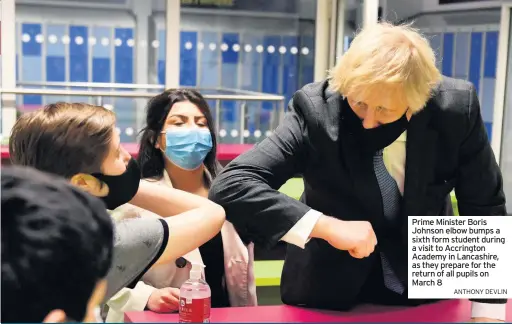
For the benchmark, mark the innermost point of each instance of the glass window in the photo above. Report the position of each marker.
(261, 46)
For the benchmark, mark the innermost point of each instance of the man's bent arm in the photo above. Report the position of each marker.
(248, 187)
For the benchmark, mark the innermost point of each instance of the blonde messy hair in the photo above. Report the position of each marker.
(383, 56)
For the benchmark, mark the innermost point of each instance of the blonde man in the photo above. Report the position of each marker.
(385, 105)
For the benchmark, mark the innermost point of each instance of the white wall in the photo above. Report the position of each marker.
(82, 16)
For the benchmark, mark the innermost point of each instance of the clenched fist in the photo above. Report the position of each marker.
(356, 237)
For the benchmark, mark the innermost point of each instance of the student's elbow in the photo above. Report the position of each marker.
(217, 214)
(220, 214)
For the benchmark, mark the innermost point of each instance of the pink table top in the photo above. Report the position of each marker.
(225, 152)
(445, 311)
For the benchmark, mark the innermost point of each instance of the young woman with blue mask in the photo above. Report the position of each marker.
(178, 149)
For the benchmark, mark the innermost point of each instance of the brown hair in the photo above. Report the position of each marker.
(63, 138)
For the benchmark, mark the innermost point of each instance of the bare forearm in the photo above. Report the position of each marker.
(189, 230)
(166, 201)
(323, 228)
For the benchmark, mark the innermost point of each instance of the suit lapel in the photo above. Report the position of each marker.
(359, 167)
(419, 163)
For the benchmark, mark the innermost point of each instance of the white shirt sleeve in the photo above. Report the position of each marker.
(299, 234)
(492, 311)
(128, 300)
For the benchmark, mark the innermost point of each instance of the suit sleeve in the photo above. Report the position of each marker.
(248, 187)
(479, 186)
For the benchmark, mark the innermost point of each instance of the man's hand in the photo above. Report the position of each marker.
(164, 300)
(356, 237)
(485, 320)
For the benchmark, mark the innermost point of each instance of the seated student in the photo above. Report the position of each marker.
(79, 142)
(178, 149)
(56, 249)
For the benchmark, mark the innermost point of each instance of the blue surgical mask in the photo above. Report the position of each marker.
(187, 148)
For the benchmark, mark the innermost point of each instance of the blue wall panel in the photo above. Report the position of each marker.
(251, 65)
(307, 62)
(475, 59)
(271, 62)
(251, 62)
(270, 77)
(55, 54)
(290, 67)
(31, 71)
(124, 56)
(487, 99)
(101, 70)
(161, 57)
(161, 71)
(488, 127)
(229, 77)
(101, 34)
(461, 55)
(123, 67)
(209, 61)
(55, 48)
(447, 64)
(31, 61)
(491, 54)
(101, 55)
(55, 69)
(188, 59)
(78, 54)
(31, 48)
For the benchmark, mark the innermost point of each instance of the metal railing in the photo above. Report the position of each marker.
(243, 97)
(133, 86)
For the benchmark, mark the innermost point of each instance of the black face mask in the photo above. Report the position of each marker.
(374, 139)
(123, 187)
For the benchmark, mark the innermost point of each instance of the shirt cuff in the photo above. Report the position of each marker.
(299, 234)
(128, 300)
(492, 311)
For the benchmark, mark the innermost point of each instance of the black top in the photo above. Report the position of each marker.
(212, 253)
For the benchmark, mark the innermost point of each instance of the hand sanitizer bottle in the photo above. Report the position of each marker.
(195, 297)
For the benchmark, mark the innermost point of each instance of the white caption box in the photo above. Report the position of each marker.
(452, 257)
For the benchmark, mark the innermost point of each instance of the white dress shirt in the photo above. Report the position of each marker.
(394, 160)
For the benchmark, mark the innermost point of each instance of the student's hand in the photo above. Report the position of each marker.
(164, 300)
(356, 237)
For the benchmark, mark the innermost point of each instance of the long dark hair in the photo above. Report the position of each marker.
(151, 159)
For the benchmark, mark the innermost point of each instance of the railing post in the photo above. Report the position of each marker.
(243, 106)
(99, 101)
(217, 116)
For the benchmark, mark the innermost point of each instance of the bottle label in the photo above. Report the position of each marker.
(195, 310)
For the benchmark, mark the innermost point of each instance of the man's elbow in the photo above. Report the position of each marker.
(217, 193)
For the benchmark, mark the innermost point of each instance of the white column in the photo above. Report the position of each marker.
(370, 12)
(8, 48)
(340, 28)
(142, 12)
(501, 81)
(172, 44)
(322, 39)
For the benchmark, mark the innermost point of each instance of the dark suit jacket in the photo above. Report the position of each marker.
(447, 147)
